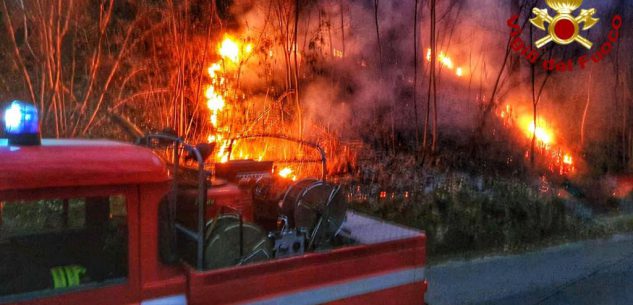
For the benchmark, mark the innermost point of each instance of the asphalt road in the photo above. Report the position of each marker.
(590, 272)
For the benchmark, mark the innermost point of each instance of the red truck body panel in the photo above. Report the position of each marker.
(59, 163)
(339, 267)
(354, 274)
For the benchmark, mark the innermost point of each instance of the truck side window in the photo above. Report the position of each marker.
(56, 245)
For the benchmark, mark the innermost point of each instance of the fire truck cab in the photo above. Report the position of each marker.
(81, 223)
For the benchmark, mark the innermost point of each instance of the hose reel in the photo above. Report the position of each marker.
(316, 206)
(229, 241)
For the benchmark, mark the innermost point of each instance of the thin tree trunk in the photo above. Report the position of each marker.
(433, 73)
(534, 103)
(620, 100)
(584, 114)
(378, 35)
(415, 75)
(342, 29)
(16, 51)
(431, 76)
(296, 70)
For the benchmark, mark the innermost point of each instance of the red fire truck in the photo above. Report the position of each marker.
(103, 222)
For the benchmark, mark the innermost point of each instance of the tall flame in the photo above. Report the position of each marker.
(221, 95)
(232, 53)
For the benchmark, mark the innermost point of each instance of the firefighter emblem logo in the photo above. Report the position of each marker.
(564, 28)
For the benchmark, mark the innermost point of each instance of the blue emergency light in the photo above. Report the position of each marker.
(21, 124)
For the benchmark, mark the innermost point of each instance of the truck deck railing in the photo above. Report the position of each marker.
(157, 140)
(316, 146)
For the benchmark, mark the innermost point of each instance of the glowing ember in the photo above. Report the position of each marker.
(567, 159)
(446, 62)
(286, 173)
(507, 115)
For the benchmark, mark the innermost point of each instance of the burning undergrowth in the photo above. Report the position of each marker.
(349, 75)
(333, 78)
(317, 84)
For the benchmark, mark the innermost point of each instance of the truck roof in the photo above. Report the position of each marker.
(63, 163)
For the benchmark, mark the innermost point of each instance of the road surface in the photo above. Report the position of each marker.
(589, 272)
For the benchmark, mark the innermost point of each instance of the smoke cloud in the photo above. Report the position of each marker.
(349, 83)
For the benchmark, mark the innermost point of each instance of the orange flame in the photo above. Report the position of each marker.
(232, 51)
(543, 133)
(446, 62)
(221, 95)
(286, 173)
(559, 159)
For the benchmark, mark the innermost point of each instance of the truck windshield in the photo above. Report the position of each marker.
(57, 245)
